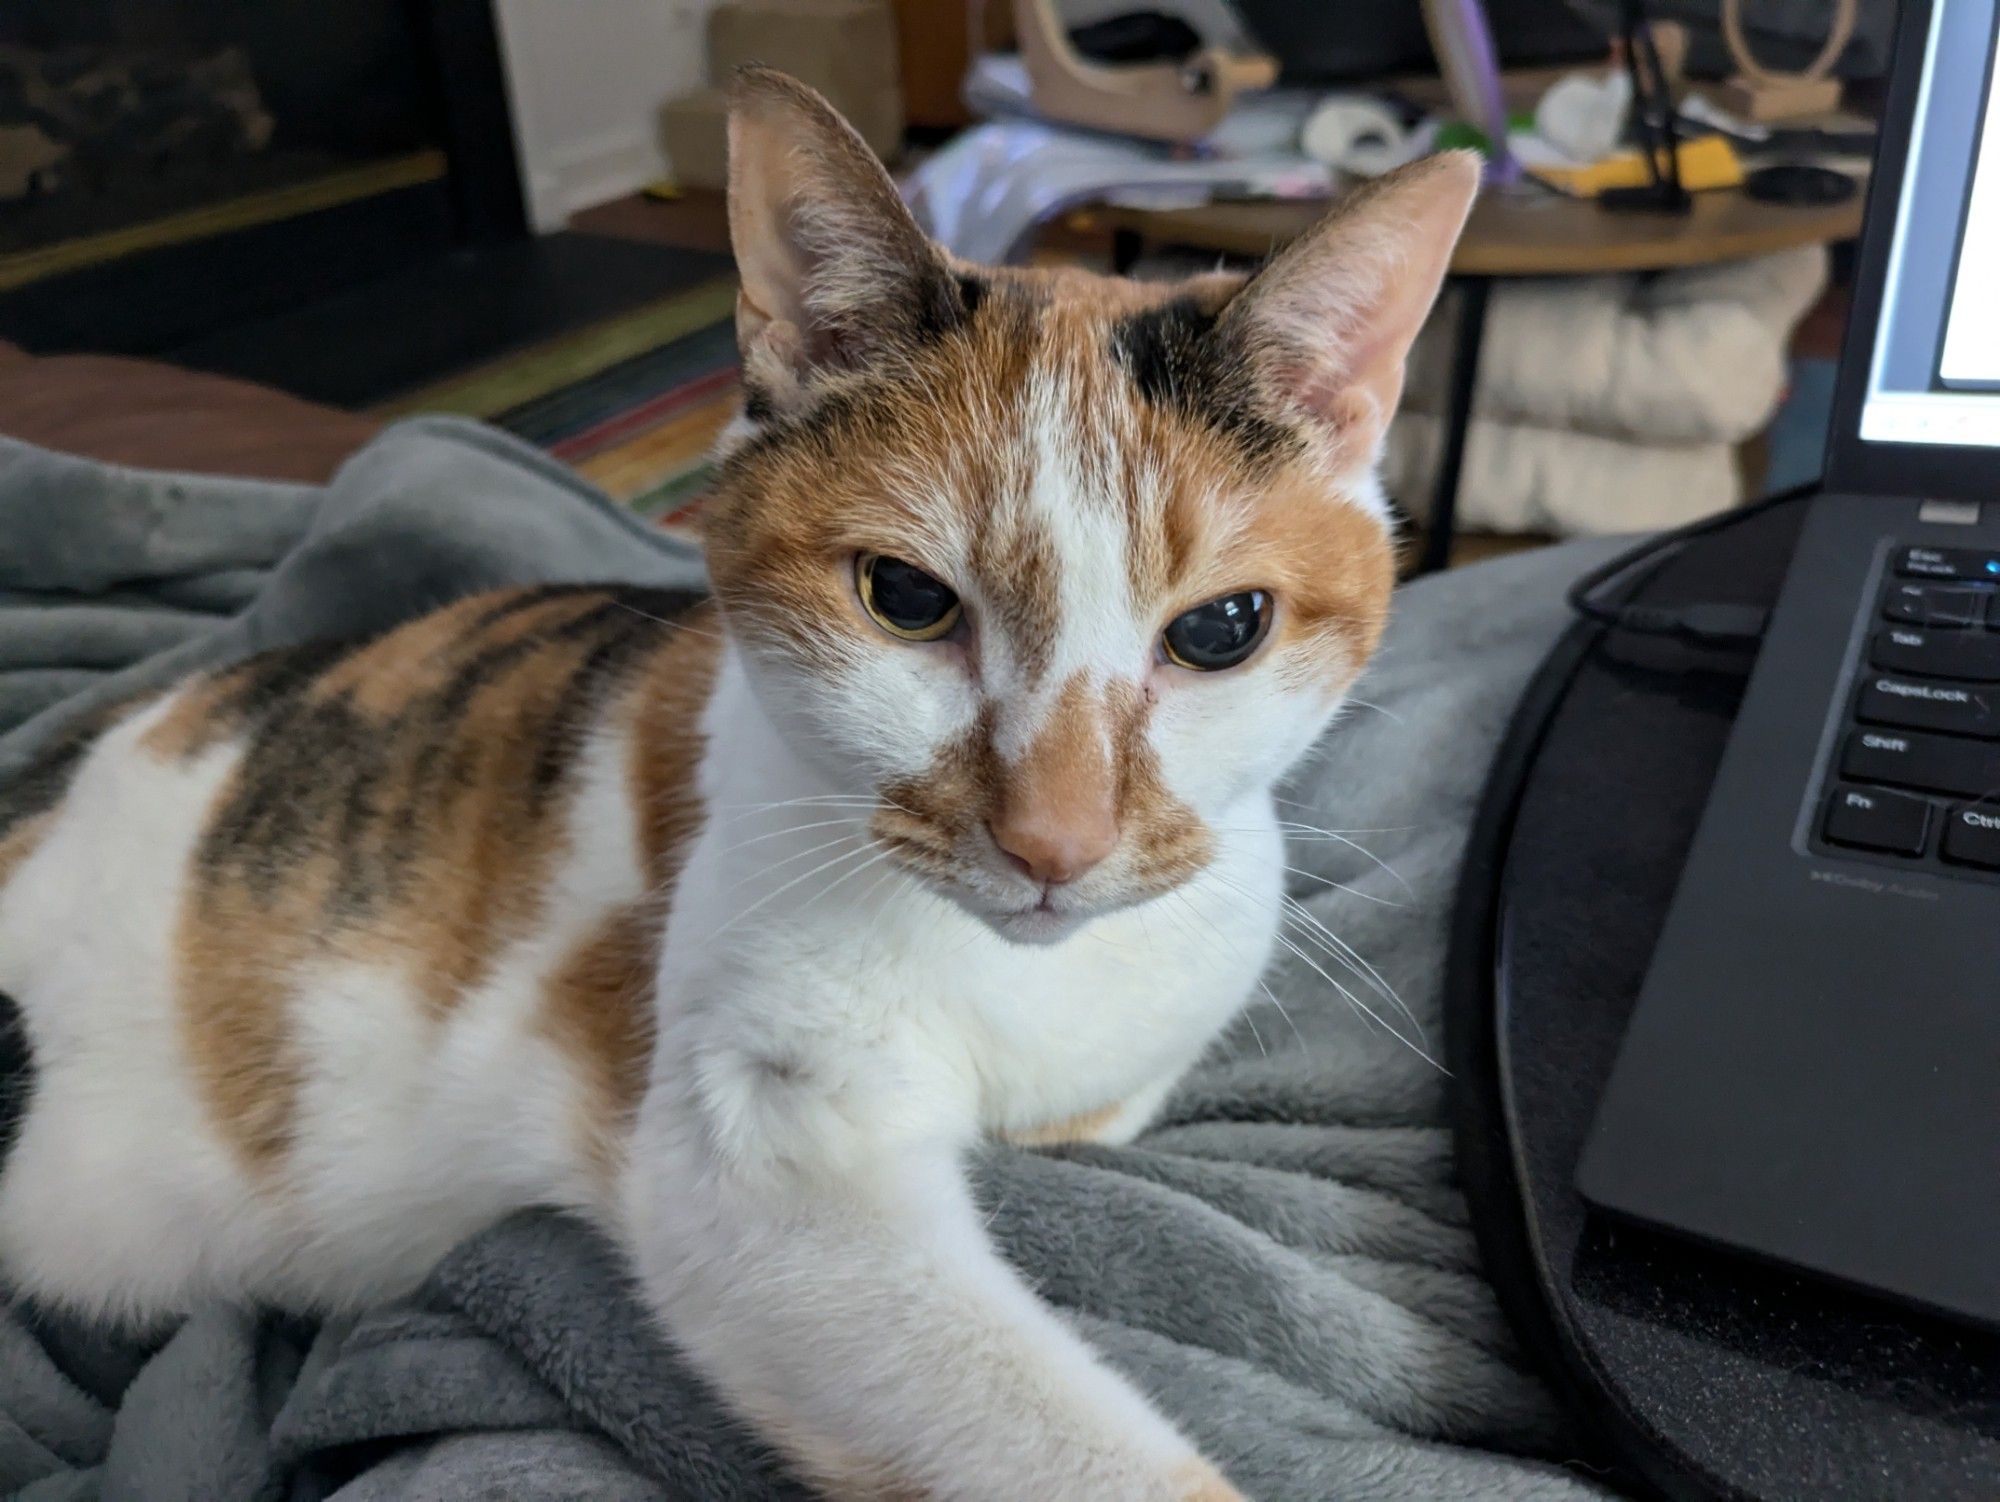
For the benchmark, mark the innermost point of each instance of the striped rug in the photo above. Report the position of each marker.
(634, 403)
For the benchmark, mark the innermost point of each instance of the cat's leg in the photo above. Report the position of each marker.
(1136, 1112)
(1114, 1125)
(854, 1311)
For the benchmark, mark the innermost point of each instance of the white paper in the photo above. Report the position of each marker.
(1972, 328)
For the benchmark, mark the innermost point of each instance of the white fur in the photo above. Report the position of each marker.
(793, 1199)
(833, 1031)
(833, 1034)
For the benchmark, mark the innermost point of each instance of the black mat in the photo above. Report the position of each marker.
(447, 312)
(1702, 1374)
(351, 305)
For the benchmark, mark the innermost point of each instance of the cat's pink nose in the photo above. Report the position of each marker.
(1052, 844)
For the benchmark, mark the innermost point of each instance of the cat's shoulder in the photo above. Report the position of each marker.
(533, 660)
(430, 666)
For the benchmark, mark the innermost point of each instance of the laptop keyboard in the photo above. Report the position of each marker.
(1919, 764)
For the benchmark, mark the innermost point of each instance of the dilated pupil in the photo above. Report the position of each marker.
(1220, 633)
(907, 596)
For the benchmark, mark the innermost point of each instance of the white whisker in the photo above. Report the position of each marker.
(779, 834)
(797, 855)
(883, 852)
(1335, 946)
(1361, 1005)
(1353, 1000)
(1387, 714)
(1341, 886)
(1237, 951)
(768, 897)
(1387, 869)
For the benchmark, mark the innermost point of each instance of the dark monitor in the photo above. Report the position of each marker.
(1344, 41)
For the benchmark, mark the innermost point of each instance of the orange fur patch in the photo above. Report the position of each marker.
(1201, 1482)
(19, 842)
(402, 804)
(931, 457)
(1066, 777)
(1080, 1128)
(598, 1006)
(598, 1009)
(194, 720)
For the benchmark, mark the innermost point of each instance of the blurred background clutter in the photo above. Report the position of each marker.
(240, 235)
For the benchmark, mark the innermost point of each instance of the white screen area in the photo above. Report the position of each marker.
(1935, 373)
(1972, 327)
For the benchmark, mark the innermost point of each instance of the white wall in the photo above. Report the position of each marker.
(587, 79)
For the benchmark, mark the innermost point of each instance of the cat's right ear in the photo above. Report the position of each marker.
(1328, 324)
(834, 271)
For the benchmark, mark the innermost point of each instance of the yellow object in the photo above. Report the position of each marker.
(1710, 162)
(665, 190)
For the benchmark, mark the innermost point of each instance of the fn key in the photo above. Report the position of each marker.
(1870, 819)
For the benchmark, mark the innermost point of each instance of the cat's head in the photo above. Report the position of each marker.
(1065, 570)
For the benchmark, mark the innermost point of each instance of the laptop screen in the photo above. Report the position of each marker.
(1935, 374)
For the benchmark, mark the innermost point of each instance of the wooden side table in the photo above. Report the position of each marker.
(1520, 232)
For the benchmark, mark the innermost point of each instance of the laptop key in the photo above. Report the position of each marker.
(1948, 563)
(1954, 708)
(1870, 819)
(1941, 606)
(1973, 657)
(1930, 763)
(1972, 836)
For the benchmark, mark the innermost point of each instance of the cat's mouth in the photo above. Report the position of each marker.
(1042, 922)
(1019, 913)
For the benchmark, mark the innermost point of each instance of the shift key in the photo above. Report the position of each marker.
(1933, 763)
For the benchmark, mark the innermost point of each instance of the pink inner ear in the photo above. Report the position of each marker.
(1314, 386)
(1334, 394)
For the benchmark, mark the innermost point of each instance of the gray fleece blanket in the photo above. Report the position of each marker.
(1284, 1262)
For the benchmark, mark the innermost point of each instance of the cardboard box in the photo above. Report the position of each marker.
(694, 129)
(846, 49)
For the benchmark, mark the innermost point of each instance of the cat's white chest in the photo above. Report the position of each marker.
(889, 979)
(1120, 1009)
(815, 993)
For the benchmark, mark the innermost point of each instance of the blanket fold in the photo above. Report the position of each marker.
(1284, 1262)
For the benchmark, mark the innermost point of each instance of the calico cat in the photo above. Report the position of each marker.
(731, 930)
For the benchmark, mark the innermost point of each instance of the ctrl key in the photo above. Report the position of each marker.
(1972, 835)
(1870, 819)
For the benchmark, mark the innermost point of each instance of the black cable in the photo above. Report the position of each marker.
(1710, 624)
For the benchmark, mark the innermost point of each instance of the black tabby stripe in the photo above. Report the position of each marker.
(318, 774)
(17, 1075)
(1179, 356)
(40, 785)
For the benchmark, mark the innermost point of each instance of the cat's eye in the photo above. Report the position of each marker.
(904, 600)
(1221, 633)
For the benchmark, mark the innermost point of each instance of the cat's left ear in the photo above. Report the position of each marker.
(1329, 322)
(834, 270)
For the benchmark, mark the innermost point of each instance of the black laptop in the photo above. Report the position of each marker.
(1812, 1073)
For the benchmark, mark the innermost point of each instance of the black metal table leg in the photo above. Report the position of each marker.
(1127, 245)
(1466, 336)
